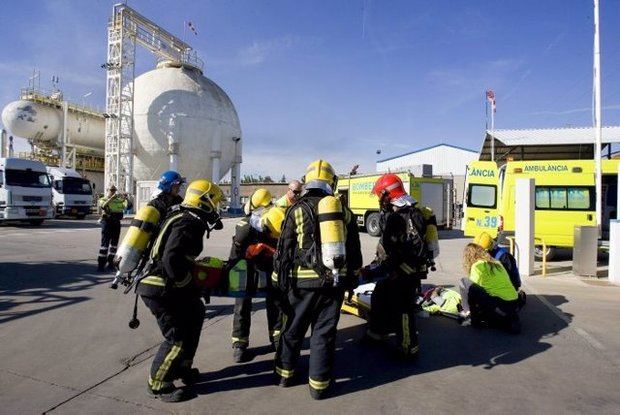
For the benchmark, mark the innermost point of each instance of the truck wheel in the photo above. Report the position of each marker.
(549, 254)
(372, 224)
(80, 217)
(36, 222)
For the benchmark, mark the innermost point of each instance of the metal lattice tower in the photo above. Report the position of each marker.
(126, 28)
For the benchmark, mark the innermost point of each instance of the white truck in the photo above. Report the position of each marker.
(72, 195)
(25, 191)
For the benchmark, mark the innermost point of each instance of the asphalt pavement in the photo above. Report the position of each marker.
(65, 346)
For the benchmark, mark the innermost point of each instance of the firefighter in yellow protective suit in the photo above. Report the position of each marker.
(169, 291)
(314, 290)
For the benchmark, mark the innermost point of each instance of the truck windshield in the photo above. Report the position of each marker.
(26, 178)
(73, 186)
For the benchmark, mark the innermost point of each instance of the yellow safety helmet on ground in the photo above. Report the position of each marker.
(484, 240)
(204, 195)
(272, 219)
(318, 174)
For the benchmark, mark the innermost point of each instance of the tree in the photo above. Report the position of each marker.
(283, 179)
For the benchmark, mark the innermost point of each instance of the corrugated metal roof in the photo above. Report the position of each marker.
(554, 136)
(425, 149)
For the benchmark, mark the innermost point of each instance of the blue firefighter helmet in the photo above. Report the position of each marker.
(169, 179)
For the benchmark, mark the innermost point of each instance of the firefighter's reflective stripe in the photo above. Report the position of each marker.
(154, 280)
(164, 231)
(318, 384)
(274, 277)
(406, 343)
(300, 272)
(274, 333)
(158, 382)
(299, 222)
(405, 267)
(240, 340)
(284, 373)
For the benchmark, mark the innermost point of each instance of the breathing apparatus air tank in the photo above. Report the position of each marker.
(136, 241)
(331, 225)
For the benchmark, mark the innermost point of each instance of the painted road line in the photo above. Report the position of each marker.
(587, 337)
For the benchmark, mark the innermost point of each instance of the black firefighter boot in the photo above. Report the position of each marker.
(240, 352)
(101, 264)
(170, 393)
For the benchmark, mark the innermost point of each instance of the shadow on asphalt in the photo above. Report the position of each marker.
(44, 286)
(55, 224)
(443, 343)
(451, 234)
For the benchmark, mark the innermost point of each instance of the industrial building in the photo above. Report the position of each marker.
(447, 161)
(546, 144)
(169, 118)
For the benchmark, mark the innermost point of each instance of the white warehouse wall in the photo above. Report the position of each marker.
(444, 158)
(448, 161)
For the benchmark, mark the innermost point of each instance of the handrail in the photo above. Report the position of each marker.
(511, 239)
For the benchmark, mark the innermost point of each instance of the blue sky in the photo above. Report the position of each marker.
(341, 79)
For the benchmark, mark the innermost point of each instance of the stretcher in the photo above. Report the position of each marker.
(357, 302)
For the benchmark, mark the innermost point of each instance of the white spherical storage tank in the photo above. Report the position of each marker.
(179, 112)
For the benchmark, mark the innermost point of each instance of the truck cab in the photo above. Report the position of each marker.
(25, 191)
(72, 195)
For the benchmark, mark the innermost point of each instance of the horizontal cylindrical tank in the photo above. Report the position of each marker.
(184, 119)
(41, 122)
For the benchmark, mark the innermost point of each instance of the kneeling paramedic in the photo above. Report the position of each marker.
(318, 256)
(168, 289)
(500, 254)
(255, 240)
(488, 293)
(408, 244)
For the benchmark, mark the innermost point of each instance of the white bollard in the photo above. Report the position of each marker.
(524, 226)
(618, 194)
(614, 252)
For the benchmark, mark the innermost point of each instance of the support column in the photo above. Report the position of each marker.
(63, 153)
(614, 252)
(235, 179)
(524, 226)
(3, 144)
(173, 144)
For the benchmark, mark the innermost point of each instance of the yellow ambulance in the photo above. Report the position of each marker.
(564, 198)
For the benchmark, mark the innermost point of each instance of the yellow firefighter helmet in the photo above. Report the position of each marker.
(484, 240)
(318, 174)
(272, 219)
(204, 195)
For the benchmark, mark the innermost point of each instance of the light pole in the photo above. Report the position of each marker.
(86, 95)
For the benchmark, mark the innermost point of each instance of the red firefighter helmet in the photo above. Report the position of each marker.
(389, 185)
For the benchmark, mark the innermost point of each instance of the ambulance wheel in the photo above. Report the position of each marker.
(36, 222)
(372, 224)
(80, 217)
(549, 254)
